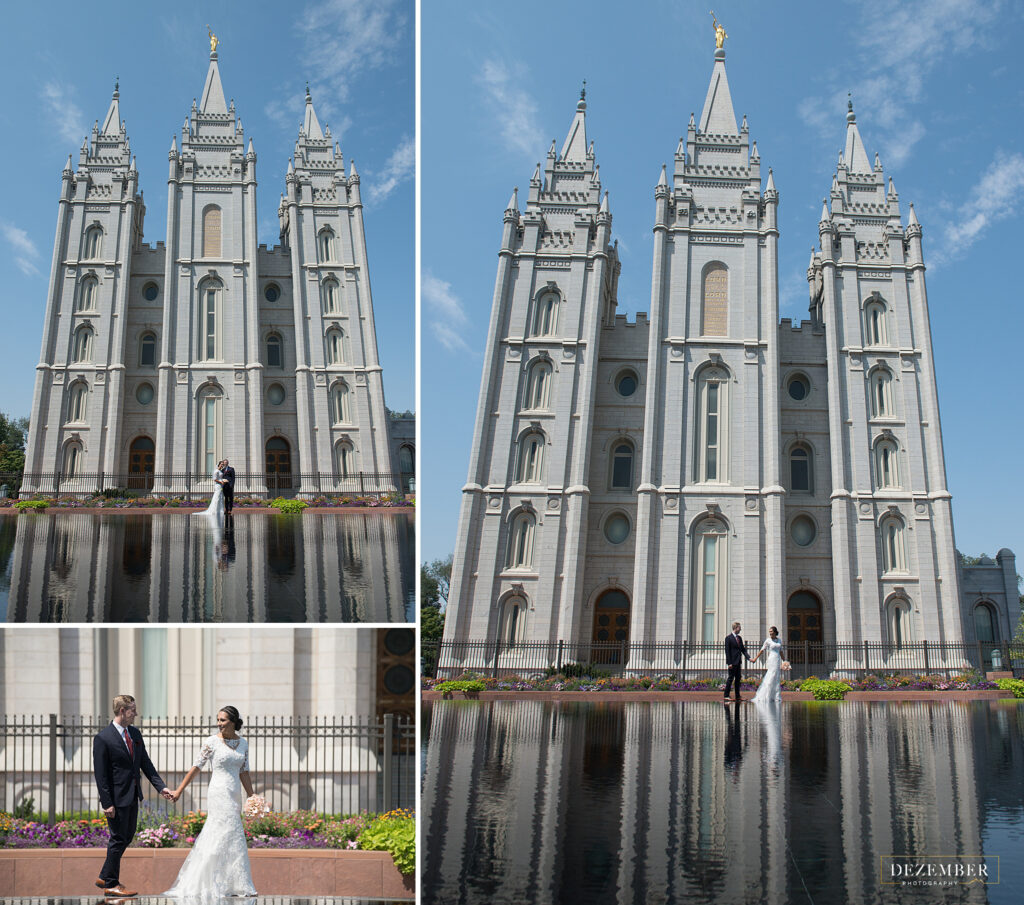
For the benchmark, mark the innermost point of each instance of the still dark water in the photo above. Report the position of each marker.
(176, 567)
(644, 803)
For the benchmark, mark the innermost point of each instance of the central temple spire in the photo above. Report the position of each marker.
(718, 116)
(575, 145)
(213, 91)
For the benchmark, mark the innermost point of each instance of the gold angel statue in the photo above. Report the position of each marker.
(214, 40)
(720, 34)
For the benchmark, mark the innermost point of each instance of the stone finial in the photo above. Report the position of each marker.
(663, 179)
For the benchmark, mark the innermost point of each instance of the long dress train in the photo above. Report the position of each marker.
(770, 688)
(218, 864)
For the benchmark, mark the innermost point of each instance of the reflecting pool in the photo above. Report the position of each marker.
(177, 567)
(669, 802)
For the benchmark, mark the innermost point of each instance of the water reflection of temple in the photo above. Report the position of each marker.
(665, 802)
(164, 567)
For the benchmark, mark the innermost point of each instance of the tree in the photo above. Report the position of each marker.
(435, 579)
(13, 432)
(440, 571)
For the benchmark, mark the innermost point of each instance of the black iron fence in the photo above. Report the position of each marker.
(331, 765)
(689, 659)
(195, 485)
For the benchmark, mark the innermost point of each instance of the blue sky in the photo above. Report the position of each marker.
(938, 93)
(58, 67)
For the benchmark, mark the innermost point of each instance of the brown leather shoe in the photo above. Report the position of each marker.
(101, 884)
(119, 891)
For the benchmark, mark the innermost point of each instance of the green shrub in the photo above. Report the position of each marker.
(288, 506)
(579, 670)
(1014, 685)
(459, 685)
(825, 689)
(30, 505)
(24, 810)
(395, 833)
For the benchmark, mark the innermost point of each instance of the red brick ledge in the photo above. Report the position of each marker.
(275, 872)
(603, 697)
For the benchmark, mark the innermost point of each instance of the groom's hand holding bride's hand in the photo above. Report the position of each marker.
(169, 795)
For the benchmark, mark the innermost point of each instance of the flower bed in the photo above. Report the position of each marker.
(393, 832)
(129, 501)
(969, 681)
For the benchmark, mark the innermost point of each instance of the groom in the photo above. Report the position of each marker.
(735, 651)
(118, 754)
(228, 483)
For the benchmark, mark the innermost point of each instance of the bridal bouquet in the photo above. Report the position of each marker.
(785, 665)
(256, 806)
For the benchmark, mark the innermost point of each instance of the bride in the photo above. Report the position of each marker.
(218, 864)
(216, 507)
(770, 688)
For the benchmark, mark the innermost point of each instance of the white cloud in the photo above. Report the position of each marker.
(447, 316)
(514, 110)
(999, 194)
(25, 252)
(899, 45)
(400, 166)
(70, 121)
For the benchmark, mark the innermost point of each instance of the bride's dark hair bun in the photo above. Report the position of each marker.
(233, 715)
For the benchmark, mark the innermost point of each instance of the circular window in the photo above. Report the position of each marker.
(626, 383)
(799, 387)
(802, 530)
(150, 292)
(616, 529)
(275, 394)
(144, 394)
(272, 293)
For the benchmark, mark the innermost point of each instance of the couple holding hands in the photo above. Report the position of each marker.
(218, 864)
(770, 688)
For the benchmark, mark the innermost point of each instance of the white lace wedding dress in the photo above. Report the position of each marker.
(218, 864)
(216, 507)
(770, 688)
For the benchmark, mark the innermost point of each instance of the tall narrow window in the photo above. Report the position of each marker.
(901, 623)
(325, 246)
(712, 392)
(335, 346)
(339, 403)
(520, 548)
(93, 243)
(715, 301)
(800, 469)
(209, 429)
(531, 459)
(709, 579)
(274, 357)
(344, 456)
(538, 386)
(513, 620)
(622, 466)
(210, 342)
(147, 350)
(87, 294)
(894, 554)
(406, 459)
(874, 316)
(83, 346)
(985, 624)
(881, 394)
(211, 232)
(77, 401)
(886, 465)
(545, 315)
(332, 297)
(73, 457)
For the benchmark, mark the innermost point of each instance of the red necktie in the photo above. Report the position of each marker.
(128, 742)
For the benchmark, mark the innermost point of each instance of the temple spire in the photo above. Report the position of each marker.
(718, 116)
(112, 121)
(213, 92)
(855, 156)
(311, 125)
(575, 146)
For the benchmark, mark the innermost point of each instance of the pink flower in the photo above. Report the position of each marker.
(190, 839)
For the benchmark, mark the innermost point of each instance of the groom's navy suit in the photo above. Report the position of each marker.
(228, 474)
(735, 651)
(120, 785)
